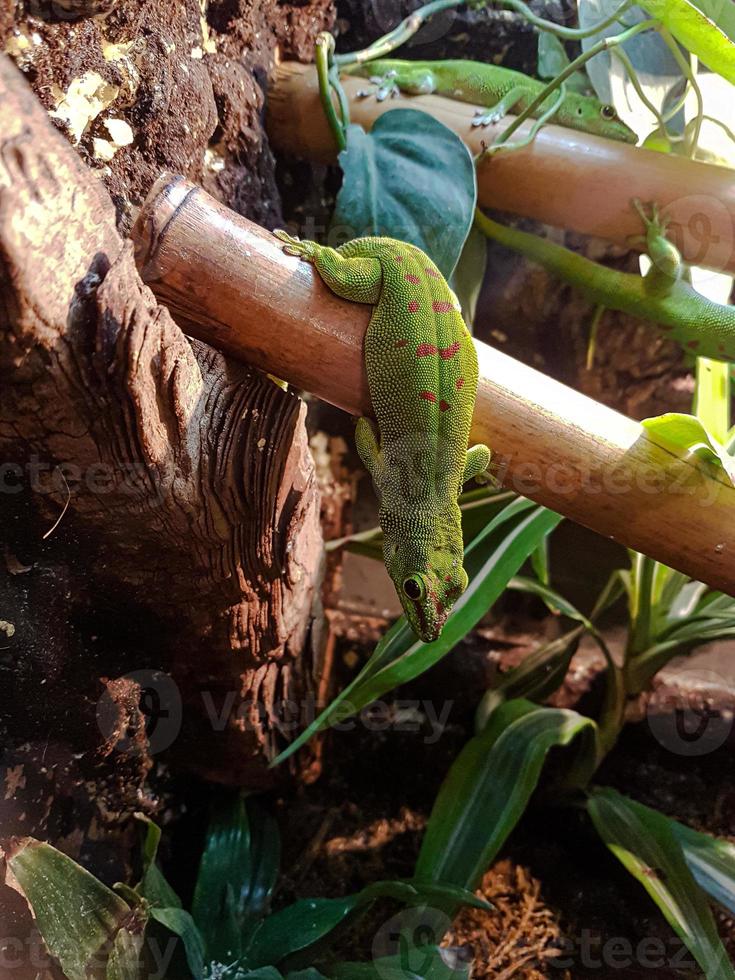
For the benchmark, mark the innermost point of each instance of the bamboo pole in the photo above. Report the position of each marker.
(232, 286)
(563, 178)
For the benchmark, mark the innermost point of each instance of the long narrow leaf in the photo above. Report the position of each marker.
(489, 785)
(536, 677)
(181, 924)
(711, 861)
(646, 845)
(491, 561)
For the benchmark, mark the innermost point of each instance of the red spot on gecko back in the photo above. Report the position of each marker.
(410, 277)
(448, 352)
(459, 383)
(424, 350)
(413, 306)
(441, 306)
(400, 343)
(693, 344)
(398, 258)
(433, 273)
(443, 406)
(428, 396)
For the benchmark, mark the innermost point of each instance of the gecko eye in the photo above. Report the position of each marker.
(414, 588)
(608, 112)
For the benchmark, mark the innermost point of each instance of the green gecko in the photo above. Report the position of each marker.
(703, 327)
(501, 90)
(422, 374)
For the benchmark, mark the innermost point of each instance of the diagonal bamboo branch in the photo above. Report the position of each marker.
(563, 178)
(229, 282)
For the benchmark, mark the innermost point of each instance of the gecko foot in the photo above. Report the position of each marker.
(656, 221)
(383, 87)
(484, 118)
(294, 246)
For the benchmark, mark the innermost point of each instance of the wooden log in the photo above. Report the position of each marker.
(231, 282)
(188, 494)
(564, 178)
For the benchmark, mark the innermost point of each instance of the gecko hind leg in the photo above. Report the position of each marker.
(368, 447)
(666, 264)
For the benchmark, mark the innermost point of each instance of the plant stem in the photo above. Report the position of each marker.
(398, 36)
(568, 33)
(324, 48)
(692, 79)
(640, 613)
(605, 44)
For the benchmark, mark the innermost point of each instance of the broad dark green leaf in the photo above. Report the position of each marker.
(224, 880)
(265, 848)
(310, 920)
(181, 924)
(489, 785)
(647, 846)
(75, 913)
(711, 861)
(409, 178)
(469, 274)
(700, 35)
(419, 962)
(490, 560)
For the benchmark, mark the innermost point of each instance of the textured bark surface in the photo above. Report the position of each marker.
(188, 536)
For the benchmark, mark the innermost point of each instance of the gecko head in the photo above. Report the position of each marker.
(427, 589)
(592, 116)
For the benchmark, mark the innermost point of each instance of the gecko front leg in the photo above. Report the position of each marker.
(476, 462)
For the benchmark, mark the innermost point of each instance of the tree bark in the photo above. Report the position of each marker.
(183, 503)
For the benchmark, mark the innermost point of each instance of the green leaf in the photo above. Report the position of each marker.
(409, 178)
(700, 35)
(490, 560)
(553, 59)
(77, 916)
(489, 786)
(310, 920)
(711, 861)
(152, 886)
(536, 677)
(233, 867)
(124, 962)
(685, 436)
(265, 848)
(469, 274)
(411, 963)
(646, 845)
(181, 924)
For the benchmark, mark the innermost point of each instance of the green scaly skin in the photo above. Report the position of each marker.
(700, 325)
(422, 373)
(500, 90)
